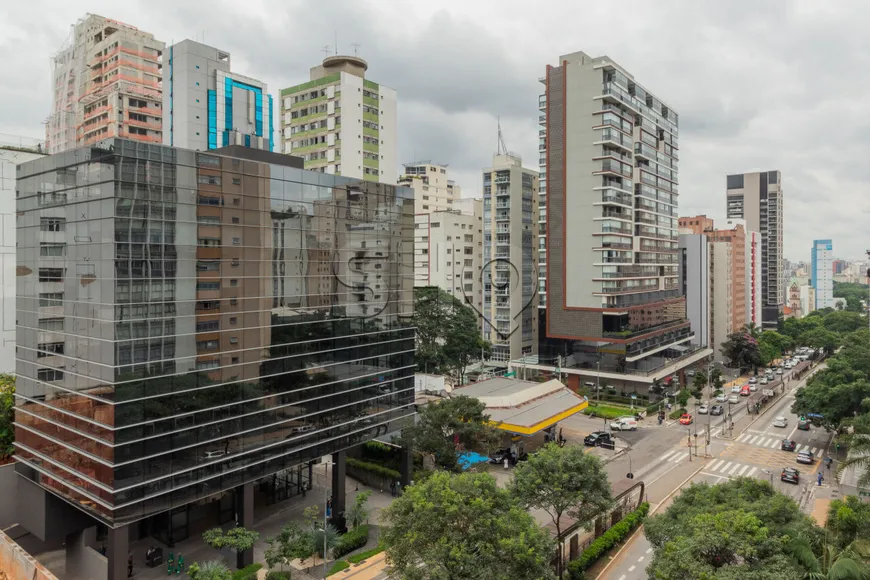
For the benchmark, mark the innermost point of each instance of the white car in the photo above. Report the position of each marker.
(734, 399)
(779, 371)
(753, 387)
(780, 422)
(624, 424)
(722, 398)
(752, 380)
(763, 380)
(703, 410)
(736, 389)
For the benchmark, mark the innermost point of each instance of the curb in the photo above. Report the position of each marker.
(640, 527)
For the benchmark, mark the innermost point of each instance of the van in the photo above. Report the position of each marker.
(624, 424)
(744, 391)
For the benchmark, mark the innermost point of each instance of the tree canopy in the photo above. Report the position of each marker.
(7, 415)
(448, 334)
(447, 427)
(457, 527)
(741, 349)
(853, 293)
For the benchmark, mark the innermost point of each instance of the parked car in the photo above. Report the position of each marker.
(624, 424)
(717, 410)
(686, 419)
(734, 399)
(804, 425)
(703, 409)
(788, 445)
(722, 398)
(780, 422)
(790, 475)
(596, 438)
(805, 457)
(499, 456)
(752, 380)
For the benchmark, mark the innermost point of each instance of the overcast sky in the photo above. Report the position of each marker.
(758, 84)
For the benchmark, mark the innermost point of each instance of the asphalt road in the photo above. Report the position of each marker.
(752, 451)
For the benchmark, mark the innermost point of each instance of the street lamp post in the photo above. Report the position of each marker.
(326, 490)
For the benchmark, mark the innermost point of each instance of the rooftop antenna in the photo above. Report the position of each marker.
(325, 50)
(335, 32)
(355, 48)
(502, 148)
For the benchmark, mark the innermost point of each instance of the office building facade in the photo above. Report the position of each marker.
(822, 273)
(341, 122)
(612, 277)
(208, 106)
(510, 280)
(106, 83)
(695, 277)
(757, 198)
(191, 324)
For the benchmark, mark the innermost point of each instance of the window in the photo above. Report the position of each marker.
(51, 274)
(235, 360)
(235, 262)
(50, 299)
(208, 326)
(52, 224)
(49, 374)
(210, 179)
(206, 200)
(207, 345)
(208, 285)
(435, 225)
(233, 301)
(204, 365)
(51, 324)
(208, 265)
(236, 220)
(237, 241)
(234, 340)
(55, 250)
(233, 320)
(237, 180)
(208, 220)
(234, 282)
(208, 242)
(49, 348)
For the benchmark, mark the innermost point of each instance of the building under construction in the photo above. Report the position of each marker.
(107, 83)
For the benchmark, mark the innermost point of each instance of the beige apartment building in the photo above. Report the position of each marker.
(433, 190)
(107, 82)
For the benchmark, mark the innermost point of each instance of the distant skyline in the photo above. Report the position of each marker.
(756, 84)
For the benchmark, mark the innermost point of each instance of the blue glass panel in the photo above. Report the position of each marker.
(228, 103)
(226, 138)
(271, 122)
(247, 140)
(212, 119)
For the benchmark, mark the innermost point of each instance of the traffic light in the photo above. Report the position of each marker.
(629, 475)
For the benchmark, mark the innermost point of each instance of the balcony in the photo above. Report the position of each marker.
(615, 196)
(626, 231)
(632, 333)
(628, 289)
(613, 213)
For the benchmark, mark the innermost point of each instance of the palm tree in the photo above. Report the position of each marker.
(752, 330)
(833, 564)
(318, 541)
(859, 457)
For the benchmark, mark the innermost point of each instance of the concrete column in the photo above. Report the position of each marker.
(406, 466)
(118, 552)
(339, 495)
(245, 519)
(310, 476)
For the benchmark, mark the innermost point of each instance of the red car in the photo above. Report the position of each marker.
(745, 391)
(686, 419)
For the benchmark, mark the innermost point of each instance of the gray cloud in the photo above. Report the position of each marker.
(758, 85)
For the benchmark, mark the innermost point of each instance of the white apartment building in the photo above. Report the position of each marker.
(207, 106)
(808, 299)
(433, 191)
(753, 270)
(11, 154)
(721, 295)
(510, 296)
(695, 276)
(106, 83)
(340, 122)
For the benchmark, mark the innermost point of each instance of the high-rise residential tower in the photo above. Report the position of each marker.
(433, 190)
(341, 122)
(510, 257)
(757, 198)
(822, 273)
(612, 279)
(107, 83)
(208, 106)
(196, 329)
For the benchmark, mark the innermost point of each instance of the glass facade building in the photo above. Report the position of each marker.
(189, 322)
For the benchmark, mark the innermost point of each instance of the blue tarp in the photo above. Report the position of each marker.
(470, 459)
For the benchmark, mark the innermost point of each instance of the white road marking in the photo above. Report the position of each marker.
(733, 469)
(716, 466)
(753, 439)
(775, 444)
(802, 448)
(815, 449)
(631, 568)
(680, 457)
(622, 577)
(742, 471)
(744, 438)
(668, 454)
(751, 471)
(640, 559)
(724, 469)
(649, 550)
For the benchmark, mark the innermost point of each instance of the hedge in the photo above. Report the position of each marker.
(606, 541)
(607, 412)
(374, 468)
(353, 540)
(677, 413)
(357, 558)
(247, 573)
(278, 575)
(338, 567)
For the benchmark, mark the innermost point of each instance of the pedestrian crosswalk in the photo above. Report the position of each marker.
(771, 442)
(674, 456)
(731, 469)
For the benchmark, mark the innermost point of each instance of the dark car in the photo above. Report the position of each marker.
(804, 425)
(499, 456)
(806, 457)
(788, 445)
(597, 438)
(790, 475)
(716, 410)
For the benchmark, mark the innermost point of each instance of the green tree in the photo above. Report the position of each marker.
(737, 529)
(458, 527)
(563, 481)
(699, 381)
(237, 539)
(716, 379)
(448, 335)
(741, 349)
(7, 416)
(835, 400)
(213, 570)
(461, 419)
(848, 520)
(324, 539)
(843, 322)
(819, 338)
(292, 542)
(752, 330)
(358, 513)
(859, 458)
(833, 563)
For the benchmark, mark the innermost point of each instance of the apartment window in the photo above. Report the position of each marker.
(235, 360)
(208, 220)
(49, 348)
(205, 365)
(209, 179)
(234, 282)
(236, 201)
(233, 320)
(435, 225)
(208, 285)
(52, 250)
(208, 265)
(235, 262)
(51, 324)
(50, 299)
(236, 220)
(234, 340)
(206, 200)
(208, 242)
(207, 345)
(208, 326)
(233, 301)
(237, 180)
(52, 224)
(49, 374)
(51, 274)
(237, 241)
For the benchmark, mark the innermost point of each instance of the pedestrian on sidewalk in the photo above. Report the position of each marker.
(821, 478)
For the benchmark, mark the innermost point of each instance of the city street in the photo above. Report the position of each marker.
(753, 452)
